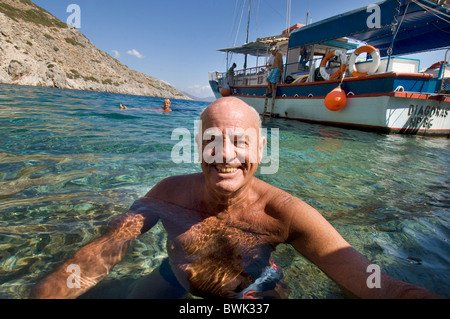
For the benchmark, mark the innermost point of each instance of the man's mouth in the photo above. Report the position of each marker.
(225, 169)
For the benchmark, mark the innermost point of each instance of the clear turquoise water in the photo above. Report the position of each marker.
(70, 161)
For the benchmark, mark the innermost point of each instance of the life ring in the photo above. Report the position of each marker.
(323, 64)
(375, 64)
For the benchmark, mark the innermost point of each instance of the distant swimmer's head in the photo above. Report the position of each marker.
(167, 105)
(230, 143)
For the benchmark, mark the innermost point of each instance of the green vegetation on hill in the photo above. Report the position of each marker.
(36, 15)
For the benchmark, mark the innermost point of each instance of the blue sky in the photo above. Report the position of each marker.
(177, 40)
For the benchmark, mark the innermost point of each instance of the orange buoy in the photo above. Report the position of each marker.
(336, 99)
(225, 92)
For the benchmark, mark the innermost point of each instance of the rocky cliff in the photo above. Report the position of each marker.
(38, 49)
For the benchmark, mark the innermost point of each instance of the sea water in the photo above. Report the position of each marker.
(70, 161)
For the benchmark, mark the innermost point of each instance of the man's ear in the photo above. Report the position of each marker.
(198, 140)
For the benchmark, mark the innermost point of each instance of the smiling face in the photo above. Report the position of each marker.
(231, 145)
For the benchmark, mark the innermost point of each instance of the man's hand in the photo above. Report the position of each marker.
(94, 261)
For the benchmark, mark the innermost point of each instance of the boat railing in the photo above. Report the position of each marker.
(257, 75)
(308, 72)
(249, 76)
(254, 75)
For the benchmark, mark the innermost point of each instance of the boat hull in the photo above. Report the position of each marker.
(377, 105)
(387, 114)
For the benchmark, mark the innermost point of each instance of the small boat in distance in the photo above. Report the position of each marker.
(325, 81)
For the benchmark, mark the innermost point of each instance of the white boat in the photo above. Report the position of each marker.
(385, 93)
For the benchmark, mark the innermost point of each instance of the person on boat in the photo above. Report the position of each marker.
(276, 69)
(230, 74)
(231, 69)
(222, 225)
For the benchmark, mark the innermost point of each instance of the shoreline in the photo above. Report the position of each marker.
(92, 91)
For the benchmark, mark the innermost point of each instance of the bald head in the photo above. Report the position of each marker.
(230, 105)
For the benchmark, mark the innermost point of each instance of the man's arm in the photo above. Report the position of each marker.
(94, 261)
(318, 240)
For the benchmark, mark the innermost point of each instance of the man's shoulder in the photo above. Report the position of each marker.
(188, 178)
(180, 181)
(271, 192)
(175, 185)
(275, 197)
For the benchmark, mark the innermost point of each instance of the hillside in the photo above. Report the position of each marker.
(38, 49)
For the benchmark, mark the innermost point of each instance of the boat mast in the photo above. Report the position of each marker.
(288, 15)
(248, 23)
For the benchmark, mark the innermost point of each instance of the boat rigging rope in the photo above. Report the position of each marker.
(396, 25)
(239, 26)
(395, 28)
(433, 11)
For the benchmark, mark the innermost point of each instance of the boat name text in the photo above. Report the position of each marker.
(421, 115)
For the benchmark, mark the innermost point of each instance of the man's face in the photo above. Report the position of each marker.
(231, 146)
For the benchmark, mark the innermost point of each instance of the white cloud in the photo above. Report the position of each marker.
(116, 54)
(135, 53)
(200, 90)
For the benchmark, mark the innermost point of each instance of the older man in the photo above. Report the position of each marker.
(222, 225)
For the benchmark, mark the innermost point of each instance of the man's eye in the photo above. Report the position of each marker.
(240, 141)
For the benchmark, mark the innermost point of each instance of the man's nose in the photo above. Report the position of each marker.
(228, 150)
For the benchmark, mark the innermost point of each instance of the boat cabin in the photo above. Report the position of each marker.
(304, 48)
(300, 66)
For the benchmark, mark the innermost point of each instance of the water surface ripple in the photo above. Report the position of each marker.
(70, 161)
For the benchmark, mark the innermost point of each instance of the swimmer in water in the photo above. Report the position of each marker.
(222, 225)
(167, 105)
